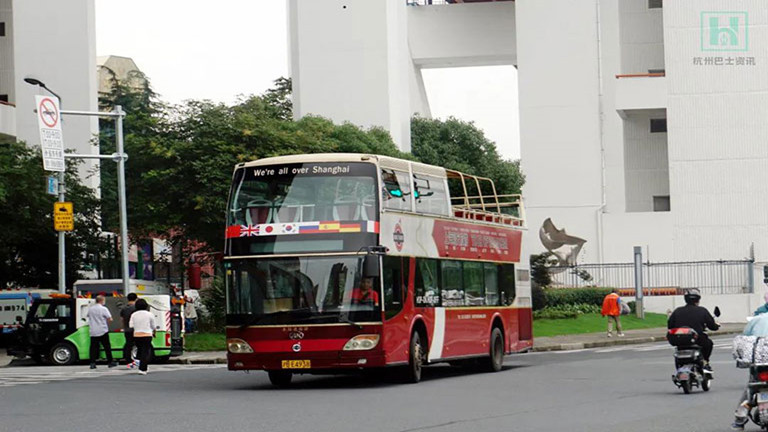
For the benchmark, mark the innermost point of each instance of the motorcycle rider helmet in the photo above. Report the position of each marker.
(692, 296)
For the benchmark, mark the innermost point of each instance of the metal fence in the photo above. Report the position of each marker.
(711, 277)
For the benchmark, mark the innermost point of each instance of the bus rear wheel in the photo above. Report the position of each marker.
(280, 378)
(496, 355)
(63, 354)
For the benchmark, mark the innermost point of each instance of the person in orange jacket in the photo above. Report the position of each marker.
(612, 309)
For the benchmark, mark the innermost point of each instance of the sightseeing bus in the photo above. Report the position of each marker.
(352, 261)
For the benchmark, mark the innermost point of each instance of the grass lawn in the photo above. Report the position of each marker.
(593, 323)
(205, 342)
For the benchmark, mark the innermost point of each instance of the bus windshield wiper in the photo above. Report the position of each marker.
(346, 319)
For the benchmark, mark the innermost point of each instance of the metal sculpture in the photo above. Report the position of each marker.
(563, 246)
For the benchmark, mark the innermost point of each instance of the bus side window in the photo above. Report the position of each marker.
(491, 284)
(451, 290)
(474, 288)
(426, 288)
(507, 283)
(395, 284)
(396, 189)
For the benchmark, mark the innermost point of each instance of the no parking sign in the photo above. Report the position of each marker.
(51, 138)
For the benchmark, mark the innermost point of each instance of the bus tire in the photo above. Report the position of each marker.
(280, 378)
(496, 355)
(415, 359)
(63, 354)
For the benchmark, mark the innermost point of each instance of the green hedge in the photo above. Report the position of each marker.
(565, 311)
(574, 296)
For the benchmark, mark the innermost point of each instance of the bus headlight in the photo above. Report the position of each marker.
(361, 343)
(238, 346)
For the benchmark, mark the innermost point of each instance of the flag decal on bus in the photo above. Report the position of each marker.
(319, 227)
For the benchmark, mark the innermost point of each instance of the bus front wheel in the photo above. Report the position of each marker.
(280, 378)
(415, 359)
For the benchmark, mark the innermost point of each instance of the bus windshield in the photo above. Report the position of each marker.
(300, 193)
(301, 290)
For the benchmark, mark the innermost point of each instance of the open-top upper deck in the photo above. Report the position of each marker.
(414, 187)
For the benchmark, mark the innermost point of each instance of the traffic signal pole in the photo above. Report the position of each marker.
(62, 248)
(120, 157)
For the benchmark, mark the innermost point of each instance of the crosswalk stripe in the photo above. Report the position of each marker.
(29, 375)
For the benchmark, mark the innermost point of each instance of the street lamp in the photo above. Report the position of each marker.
(37, 82)
(62, 255)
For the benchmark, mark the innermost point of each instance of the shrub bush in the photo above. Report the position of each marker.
(565, 311)
(215, 300)
(550, 313)
(538, 297)
(573, 296)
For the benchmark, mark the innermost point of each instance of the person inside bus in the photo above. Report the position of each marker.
(365, 295)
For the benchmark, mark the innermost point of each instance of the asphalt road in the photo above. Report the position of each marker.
(624, 388)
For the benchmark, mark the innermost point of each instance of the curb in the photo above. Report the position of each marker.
(613, 342)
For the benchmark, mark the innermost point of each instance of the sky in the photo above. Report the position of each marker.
(190, 49)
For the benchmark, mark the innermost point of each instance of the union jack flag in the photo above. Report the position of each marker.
(248, 230)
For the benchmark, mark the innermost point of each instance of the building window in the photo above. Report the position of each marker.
(661, 203)
(655, 4)
(657, 71)
(3, 98)
(2, 29)
(658, 125)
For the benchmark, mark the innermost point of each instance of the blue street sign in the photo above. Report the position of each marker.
(53, 185)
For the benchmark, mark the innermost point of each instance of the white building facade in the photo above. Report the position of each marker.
(54, 42)
(642, 122)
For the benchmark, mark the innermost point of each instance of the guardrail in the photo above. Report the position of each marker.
(671, 278)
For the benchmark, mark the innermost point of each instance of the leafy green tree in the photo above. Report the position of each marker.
(28, 242)
(461, 146)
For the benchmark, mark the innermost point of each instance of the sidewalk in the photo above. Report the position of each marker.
(594, 340)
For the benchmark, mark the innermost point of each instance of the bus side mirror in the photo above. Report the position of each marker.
(717, 311)
(371, 266)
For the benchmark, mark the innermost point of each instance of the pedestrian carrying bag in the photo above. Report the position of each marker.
(624, 309)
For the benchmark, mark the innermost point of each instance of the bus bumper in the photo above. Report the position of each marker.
(316, 361)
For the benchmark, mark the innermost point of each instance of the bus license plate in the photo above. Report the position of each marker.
(296, 364)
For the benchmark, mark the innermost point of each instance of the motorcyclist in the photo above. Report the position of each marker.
(758, 326)
(698, 318)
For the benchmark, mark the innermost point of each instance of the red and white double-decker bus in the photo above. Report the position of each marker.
(350, 261)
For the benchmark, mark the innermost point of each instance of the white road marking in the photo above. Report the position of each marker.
(26, 375)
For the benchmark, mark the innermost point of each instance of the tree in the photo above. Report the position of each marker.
(28, 242)
(461, 146)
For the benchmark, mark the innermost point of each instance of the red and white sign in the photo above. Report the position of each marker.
(437, 237)
(462, 240)
(51, 138)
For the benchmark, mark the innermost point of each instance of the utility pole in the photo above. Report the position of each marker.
(120, 157)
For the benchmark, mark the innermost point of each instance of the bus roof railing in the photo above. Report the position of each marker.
(506, 209)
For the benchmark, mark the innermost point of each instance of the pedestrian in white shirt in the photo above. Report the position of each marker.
(98, 328)
(143, 323)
